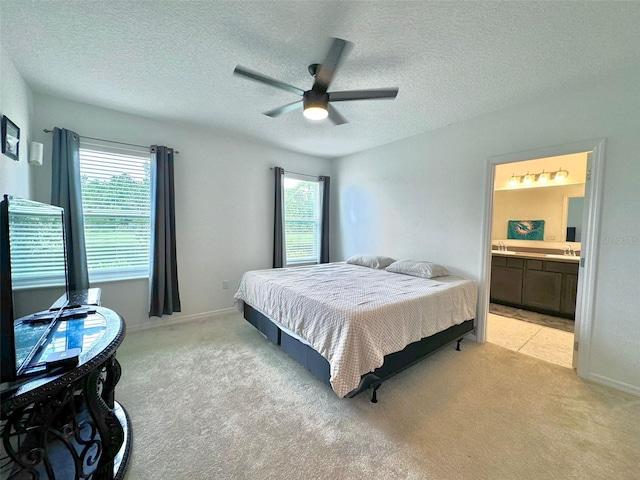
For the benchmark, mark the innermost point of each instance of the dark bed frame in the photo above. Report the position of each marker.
(393, 363)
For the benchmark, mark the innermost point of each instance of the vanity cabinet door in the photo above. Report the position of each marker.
(569, 294)
(542, 289)
(506, 285)
(535, 284)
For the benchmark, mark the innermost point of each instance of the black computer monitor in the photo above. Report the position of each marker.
(32, 257)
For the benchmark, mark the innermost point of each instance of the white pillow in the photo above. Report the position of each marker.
(371, 261)
(418, 268)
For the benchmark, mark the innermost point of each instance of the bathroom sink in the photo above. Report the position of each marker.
(564, 257)
(503, 252)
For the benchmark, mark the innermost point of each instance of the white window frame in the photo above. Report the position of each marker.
(135, 154)
(318, 182)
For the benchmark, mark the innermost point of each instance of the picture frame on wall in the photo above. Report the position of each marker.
(10, 138)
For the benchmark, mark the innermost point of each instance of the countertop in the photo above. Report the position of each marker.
(539, 256)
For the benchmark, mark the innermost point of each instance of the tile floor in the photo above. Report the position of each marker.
(533, 317)
(545, 343)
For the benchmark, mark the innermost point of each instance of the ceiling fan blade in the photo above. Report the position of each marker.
(381, 93)
(258, 77)
(335, 116)
(328, 68)
(276, 112)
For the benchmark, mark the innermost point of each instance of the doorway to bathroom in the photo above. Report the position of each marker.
(535, 255)
(539, 273)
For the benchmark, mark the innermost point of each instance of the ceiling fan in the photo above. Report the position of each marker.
(316, 103)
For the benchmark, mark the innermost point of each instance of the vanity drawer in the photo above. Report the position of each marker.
(515, 263)
(562, 267)
(535, 265)
(498, 261)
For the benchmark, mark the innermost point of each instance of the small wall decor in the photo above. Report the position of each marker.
(525, 230)
(10, 138)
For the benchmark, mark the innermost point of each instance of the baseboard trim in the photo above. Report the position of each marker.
(625, 387)
(181, 319)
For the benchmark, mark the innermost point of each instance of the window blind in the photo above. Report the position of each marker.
(116, 197)
(301, 221)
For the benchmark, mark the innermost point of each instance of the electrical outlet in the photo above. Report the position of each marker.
(225, 284)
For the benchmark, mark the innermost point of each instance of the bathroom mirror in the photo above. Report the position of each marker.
(559, 207)
(574, 218)
(540, 200)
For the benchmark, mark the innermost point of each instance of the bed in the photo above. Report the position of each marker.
(353, 326)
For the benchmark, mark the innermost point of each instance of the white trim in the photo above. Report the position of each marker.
(585, 302)
(625, 387)
(589, 247)
(485, 264)
(182, 319)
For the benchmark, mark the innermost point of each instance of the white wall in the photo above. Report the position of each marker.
(224, 202)
(423, 197)
(15, 103)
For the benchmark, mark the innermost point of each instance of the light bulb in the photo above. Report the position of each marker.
(527, 178)
(561, 175)
(543, 177)
(315, 113)
(513, 180)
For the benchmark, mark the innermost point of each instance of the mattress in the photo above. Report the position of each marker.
(353, 315)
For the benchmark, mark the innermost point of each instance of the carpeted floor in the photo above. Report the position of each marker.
(215, 400)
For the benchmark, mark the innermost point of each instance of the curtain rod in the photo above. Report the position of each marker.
(297, 173)
(110, 141)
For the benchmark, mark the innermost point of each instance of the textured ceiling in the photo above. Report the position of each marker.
(451, 60)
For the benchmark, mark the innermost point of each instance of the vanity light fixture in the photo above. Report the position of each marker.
(542, 177)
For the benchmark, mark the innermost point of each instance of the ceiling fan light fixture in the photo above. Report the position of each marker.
(315, 113)
(315, 105)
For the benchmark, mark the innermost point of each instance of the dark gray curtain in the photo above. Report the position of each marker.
(278, 227)
(164, 294)
(324, 233)
(66, 193)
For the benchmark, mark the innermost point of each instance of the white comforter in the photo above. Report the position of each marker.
(354, 316)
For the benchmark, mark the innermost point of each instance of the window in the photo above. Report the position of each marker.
(302, 201)
(116, 199)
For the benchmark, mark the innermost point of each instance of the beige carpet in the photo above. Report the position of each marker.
(215, 400)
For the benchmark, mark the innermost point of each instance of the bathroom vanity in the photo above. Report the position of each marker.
(535, 281)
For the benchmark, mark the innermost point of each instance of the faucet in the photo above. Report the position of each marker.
(569, 251)
(501, 246)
